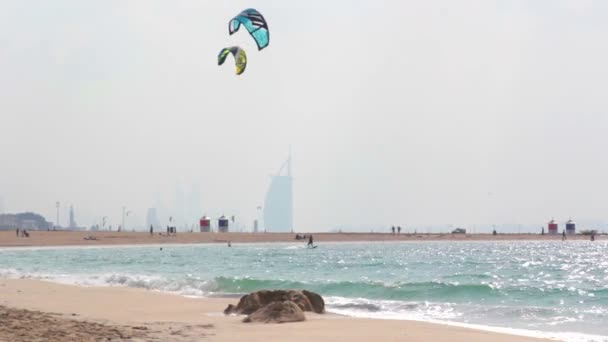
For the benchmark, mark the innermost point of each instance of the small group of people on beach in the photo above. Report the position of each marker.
(22, 233)
(397, 229)
(171, 231)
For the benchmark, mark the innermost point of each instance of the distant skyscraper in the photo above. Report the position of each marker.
(152, 219)
(278, 206)
(72, 221)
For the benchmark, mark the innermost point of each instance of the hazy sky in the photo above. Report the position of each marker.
(398, 112)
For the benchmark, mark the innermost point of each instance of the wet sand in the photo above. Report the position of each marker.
(32, 310)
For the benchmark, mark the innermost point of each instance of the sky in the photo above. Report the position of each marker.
(412, 113)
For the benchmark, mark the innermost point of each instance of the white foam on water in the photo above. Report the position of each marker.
(185, 287)
(295, 247)
(437, 314)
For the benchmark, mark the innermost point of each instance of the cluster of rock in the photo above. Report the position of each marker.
(277, 306)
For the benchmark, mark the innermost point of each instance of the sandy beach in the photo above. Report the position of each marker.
(86, 238)
(33, 310)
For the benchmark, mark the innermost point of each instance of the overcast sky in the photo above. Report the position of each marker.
(398, 112)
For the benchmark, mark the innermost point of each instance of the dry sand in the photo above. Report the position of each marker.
(32, 310)
(71, 238)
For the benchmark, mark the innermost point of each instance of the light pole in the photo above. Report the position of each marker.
(58, 205)
(124, 224)
(260, 217)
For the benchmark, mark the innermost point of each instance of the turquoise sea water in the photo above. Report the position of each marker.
(551, 289)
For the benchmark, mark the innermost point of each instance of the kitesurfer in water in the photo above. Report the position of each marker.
(310, 241)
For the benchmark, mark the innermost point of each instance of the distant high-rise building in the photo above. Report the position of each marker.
(72, 221)
(278, 205)
(152, 219)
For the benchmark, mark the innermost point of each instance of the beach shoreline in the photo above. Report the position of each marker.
(155, 315)
(90, 238)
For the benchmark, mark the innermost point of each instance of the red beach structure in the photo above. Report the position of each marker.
(552, 227)
(205, 224)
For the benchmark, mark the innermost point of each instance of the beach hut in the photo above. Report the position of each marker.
(205, 224)
(552, 227)
(222, 224)
(570, 227)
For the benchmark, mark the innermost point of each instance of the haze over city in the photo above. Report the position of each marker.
(397, 112)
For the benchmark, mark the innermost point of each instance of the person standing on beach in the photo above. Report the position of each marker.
(564, 235)
(393, 229)
(151, 230)
(399, 230)
(17, 231)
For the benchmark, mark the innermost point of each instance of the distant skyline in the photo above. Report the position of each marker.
(398, 112)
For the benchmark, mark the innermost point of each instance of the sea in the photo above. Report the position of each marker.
(550, 289)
